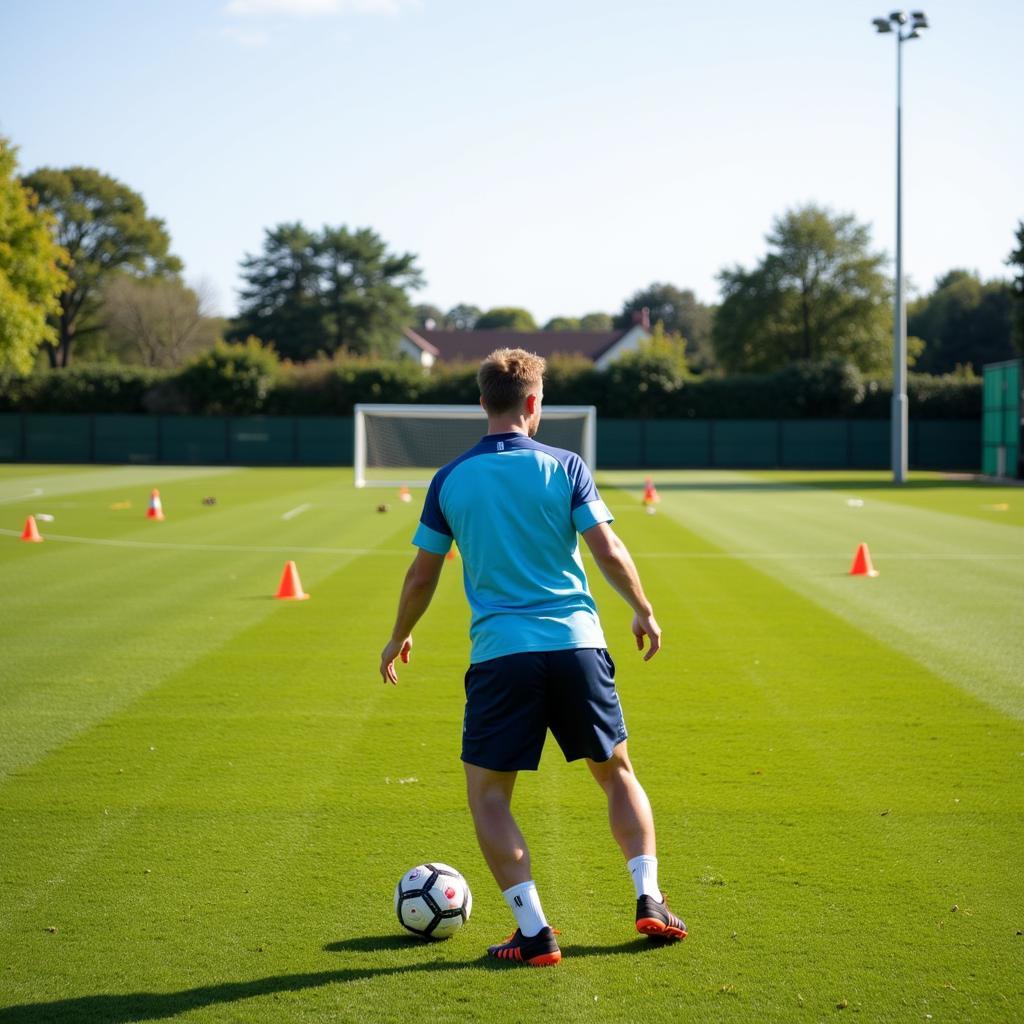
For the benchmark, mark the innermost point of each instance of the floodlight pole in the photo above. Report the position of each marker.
(899, 414)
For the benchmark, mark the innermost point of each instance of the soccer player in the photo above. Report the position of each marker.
(539, 659)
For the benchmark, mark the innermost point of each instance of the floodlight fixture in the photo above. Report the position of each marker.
(900, 424)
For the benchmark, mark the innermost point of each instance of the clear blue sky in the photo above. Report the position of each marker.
(554, 154)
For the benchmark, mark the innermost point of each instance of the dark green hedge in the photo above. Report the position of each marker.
(79, 389)
(241, 381)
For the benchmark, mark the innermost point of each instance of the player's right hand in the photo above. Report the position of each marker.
(394, 649)
(647, 626)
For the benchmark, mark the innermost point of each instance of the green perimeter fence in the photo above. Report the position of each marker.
(625, 444)
(1002, 419)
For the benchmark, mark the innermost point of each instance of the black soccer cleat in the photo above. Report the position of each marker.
(540, 950)
(656, 920)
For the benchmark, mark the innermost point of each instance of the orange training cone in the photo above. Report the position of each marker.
(404, 494)
(862, 562)
(290, 588)
(651, 496)
(452, 552)
(156, 509)
(31, 531)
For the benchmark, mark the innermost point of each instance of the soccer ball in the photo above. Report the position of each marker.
(433, 901)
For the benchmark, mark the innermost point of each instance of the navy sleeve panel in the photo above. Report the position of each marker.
(432, 516)
(584, 490)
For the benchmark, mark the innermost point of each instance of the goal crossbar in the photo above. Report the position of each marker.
(419, 476)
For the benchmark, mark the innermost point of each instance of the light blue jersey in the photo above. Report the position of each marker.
(514, 507)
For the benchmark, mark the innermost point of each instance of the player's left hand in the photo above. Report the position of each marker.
(394, 649)
(647, 626)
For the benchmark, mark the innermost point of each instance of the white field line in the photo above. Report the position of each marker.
(34, 493)
(747, 556)
(157, 545)
(297, 511)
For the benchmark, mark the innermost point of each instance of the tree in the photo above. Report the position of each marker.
(462, 317)
(963, 321)
(157, 322)
(1016, 260)
(104, 227)
(562, 323)
(310, 292)
(280, 300)
(596, 322)
(428, 317)
(639, 380)
(818, 292)
(31, 274)
(506, 318)
(681, 313)
(365, 290)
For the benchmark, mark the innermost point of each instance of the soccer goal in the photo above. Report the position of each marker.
(406, 444)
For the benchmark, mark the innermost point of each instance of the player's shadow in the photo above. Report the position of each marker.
(385, 943)
(127, 1007)
(377, 944)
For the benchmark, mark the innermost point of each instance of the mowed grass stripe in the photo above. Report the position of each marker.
(278, 808)
(89, 629)
(984, 499)
(958, 615)
(823, 743)
(213, 783)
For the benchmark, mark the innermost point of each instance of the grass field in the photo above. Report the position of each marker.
(207, 795)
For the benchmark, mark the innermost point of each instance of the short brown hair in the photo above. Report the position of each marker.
(507, 376)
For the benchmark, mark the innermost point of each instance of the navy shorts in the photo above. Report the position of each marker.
(512, 701)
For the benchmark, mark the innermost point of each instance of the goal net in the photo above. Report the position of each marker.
(406, 444)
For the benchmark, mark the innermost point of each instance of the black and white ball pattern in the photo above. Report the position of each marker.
(433, 900)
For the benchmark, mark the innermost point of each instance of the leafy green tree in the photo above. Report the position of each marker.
(681, 313)
(562, 323)
(104, 227)
(963, 321)
(310, 292)
(596, 322)
(506, 318)
(31, 274)
(462, 317)
(641, 381)
(280, 299)
(818, 292)
(365, 285)
(1016, 261)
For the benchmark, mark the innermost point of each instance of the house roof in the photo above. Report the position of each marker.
(473, 346)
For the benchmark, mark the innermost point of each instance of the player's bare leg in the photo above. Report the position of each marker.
(501, 842)
(504, 849)
(629, 810)
(632, 824)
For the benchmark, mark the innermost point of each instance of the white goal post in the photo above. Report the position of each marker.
(406, 444)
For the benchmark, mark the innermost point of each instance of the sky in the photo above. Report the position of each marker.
(552, 154)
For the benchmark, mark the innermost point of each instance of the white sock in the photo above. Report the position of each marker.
(524, 902)
(644, 872)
